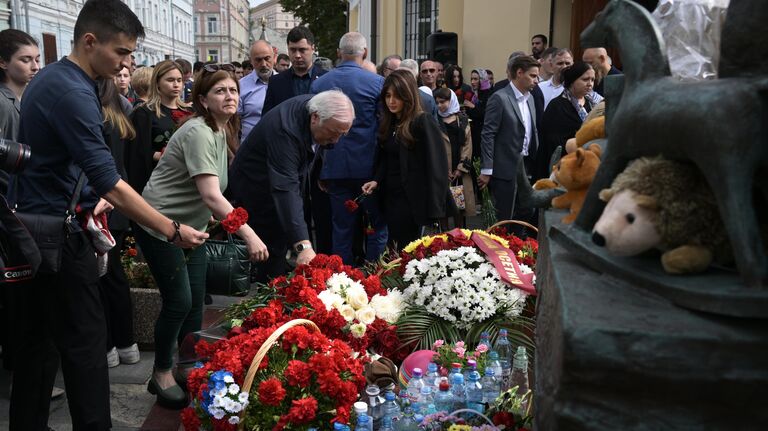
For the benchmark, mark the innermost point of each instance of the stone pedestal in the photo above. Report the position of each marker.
(613, 356)
(146, 308)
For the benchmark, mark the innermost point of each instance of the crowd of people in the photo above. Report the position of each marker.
(165, 149)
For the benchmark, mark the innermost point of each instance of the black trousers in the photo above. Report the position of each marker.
(116, 297)
(62, 316)
(503, 192)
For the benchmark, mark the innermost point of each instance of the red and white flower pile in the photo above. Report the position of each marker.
(306, 380)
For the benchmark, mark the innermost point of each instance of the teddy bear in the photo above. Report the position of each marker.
(575, 172)
(592, 129)
(667, 205)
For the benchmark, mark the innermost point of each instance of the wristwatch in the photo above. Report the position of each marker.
(302, 246)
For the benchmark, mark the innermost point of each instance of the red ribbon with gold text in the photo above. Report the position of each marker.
(503, 259)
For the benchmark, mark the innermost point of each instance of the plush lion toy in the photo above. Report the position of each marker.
(589, 131)
(575, 172)
(664, 204)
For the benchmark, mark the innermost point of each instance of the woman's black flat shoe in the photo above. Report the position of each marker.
(171, 398)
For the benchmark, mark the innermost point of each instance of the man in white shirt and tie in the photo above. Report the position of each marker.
(509, 133)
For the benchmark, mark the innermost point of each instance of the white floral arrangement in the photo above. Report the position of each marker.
(461, 286)
(350, 299)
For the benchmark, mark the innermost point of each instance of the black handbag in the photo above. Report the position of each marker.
(50, 231)
(229, 267)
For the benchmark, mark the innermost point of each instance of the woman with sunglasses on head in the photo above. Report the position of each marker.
(187, 185)
(155, 121)
(412, 169)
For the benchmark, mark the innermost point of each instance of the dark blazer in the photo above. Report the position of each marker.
(280, 87)
(269, 175)
(503, 134)
(561, 121)
(423, 171)
(139, 162)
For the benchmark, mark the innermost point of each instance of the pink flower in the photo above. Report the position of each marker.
(482, 348)
(459, 351)
(437, 344)
(460, 345)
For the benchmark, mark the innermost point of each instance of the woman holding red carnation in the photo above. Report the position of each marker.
(187, 186)
(412, 170)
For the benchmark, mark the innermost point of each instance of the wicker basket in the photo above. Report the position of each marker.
(517, 222)
(263, 350)
(490, 422)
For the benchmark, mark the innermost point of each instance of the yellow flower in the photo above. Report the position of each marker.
(427, 240)
(459, 428)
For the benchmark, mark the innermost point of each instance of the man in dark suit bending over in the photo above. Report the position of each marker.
(269, 176)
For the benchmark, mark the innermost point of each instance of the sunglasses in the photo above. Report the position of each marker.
(429, 70)
(216, 67)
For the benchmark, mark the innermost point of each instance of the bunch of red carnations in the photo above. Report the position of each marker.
(305, 381)
(342, 301)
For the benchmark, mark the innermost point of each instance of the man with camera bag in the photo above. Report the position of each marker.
(61, 121)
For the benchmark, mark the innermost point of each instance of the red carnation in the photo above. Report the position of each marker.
(271, 392)
(303, 411)
(351, 205)
(297, 373)
(177, 115)
(189, 419)
(504, 418)
(234, 220)
(132, 252)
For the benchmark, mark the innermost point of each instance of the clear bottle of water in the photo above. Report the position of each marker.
(475, 392)
(406, 422)
(374, 404)
(415, 385)
(504, 349)
(443, 398)
(386, 424)
(418, 418)
(485, 339)
(340, 427)
(390, 407)
(458, 392)
(361, 408)
(494, 364)
(455, 369)
(491, 386)
(471, 366)
(432, 379)
(519, 376)
(425, 399)
(363, 423)
(430, 410)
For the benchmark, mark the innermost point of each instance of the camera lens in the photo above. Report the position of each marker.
(13, 156)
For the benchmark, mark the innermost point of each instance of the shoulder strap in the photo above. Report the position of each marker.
(72, 201)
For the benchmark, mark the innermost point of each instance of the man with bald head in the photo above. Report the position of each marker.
(253, 86)
(601, 62)
(351, 163)
(429, 74)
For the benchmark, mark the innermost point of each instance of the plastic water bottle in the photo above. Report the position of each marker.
(415, 385)
(504, 349)
(340, 427)
(425, 399)
(455, 369)
(519, 376)
(406, 422)
(386, 424)
(432, 379)
(419, 418)
(361, 409)
(491, 386)
(475, 392)
(430, 410)
(494, 364)
(363, 423)
(390, 407)
(458, 392)
(374, 404)
(471, 366)
(443, 399)
(485, 340)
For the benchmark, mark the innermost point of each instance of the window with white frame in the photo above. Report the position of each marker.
(213, 55)
(213, 25)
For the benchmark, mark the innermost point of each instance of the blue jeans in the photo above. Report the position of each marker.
(344, 222)
(180, 277)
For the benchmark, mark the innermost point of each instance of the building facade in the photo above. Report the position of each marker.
(277, 23)
(168, 27)
(488, 30)
(221, 30)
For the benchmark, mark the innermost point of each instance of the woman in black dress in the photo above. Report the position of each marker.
(565, 113)
(412, 168)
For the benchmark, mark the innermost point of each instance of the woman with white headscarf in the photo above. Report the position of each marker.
(455, 125)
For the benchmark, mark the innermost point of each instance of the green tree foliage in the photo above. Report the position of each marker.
(325, 18)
